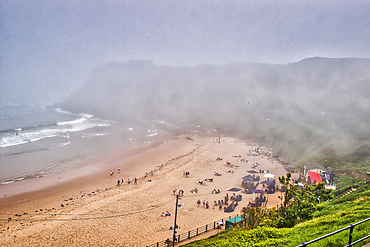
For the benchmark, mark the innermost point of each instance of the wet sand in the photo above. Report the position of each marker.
(86, 207)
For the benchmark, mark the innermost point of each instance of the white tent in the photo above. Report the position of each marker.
(269, 175)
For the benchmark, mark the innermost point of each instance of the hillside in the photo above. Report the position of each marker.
(299, 109)
(329, 217)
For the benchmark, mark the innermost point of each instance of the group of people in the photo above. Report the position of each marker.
(214, 191)
(186, 174)
(180, 192)
(194, 191)
(122, 182)
(264, 171)
(165, 214)
(205, 204)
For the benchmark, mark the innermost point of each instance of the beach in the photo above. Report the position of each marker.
(86, 206)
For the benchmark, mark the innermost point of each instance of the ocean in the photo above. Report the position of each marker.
(39, 141)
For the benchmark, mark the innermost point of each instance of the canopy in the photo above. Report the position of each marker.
(269, 175)
(258, 191)
(234, 189)
(252, 171)
(314, 176)
(232, 222)
(267, 182)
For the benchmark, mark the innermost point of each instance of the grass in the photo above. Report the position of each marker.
(328, 217)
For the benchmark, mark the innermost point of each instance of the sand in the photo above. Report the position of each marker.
(85, 207)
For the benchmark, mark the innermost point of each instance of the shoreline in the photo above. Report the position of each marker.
(119, 213)
(92, 169)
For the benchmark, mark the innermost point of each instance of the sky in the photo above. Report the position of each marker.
(48, 48)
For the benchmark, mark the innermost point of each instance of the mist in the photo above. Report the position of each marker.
(299, 108)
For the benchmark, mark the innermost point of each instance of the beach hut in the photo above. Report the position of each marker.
(232, 222)
(314, 167)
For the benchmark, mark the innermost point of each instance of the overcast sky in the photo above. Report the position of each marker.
(52, 45)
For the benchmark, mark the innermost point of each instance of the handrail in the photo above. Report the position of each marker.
(351, 227)
(194, 232)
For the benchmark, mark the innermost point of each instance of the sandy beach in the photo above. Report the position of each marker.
(86, 207)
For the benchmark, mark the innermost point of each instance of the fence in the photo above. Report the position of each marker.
(350, 227)
(193, 233)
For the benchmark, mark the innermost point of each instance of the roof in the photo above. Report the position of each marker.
(315, 165)
(314, 176)
(235, 219)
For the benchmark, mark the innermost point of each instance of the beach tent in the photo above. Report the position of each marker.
(267, 182)
(232, 222)
(248, 178)
(269, 175)
(314, 176)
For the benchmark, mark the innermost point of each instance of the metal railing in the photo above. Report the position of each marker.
(193, 233)
(350, 227)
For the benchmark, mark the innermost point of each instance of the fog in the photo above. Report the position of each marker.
(48, 48)
(236, 66)
(299, 108)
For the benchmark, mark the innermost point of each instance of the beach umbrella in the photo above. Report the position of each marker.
(269, 175)
(267, 182)
(234, 189)
(258, 191)
(252, 171)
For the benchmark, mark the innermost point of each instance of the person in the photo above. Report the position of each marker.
(174, 191)
(168, 242)
(207, 205)
(135, 181)
(198, 202)
(204, 203)
(122, 181)
(119, 169)
(168, 214)
(128, 181)
(118, 182)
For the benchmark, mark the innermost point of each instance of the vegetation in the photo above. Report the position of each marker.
(313, 220)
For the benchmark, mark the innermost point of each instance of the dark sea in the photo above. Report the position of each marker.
(39, 141)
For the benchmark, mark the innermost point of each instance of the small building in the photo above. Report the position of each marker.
(232, 222)
(314, 167)
(317, 172)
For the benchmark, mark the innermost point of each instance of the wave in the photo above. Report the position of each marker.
(154, 134)
(77, 121)
(36, 133)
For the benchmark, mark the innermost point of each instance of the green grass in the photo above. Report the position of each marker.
(328, 217)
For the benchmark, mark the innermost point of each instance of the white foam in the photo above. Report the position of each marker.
(74, 122)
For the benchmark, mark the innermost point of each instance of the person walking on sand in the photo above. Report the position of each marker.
(198, 202)
(128, 181)
(135, 181)
(122, 182)
(118, 182)
(204, 203)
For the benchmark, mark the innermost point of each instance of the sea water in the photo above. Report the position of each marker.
(39, 141)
